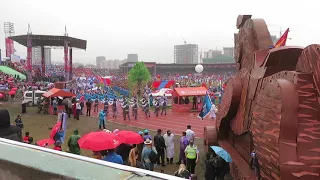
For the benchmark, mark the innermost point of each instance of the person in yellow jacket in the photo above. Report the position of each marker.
(192, 155)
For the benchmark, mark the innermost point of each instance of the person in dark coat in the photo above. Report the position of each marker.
(160, 145)
(123, 150)
(6, 130)
(211, 166)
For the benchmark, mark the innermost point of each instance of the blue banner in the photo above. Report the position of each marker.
(206, 108)
(163, 84)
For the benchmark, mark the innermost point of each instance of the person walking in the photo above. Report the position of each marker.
(145, 106)
(73, 145)
(169, 141)
(54, 105)
(135, 109)
(149, 155)
(164, 105)
(96, 105)
(189, 133)
(102, 116)
(183, 144)
(125, 108)
(114, 108)
(88, 104)
(78, 110)
(160, 145)
(192, 155)
(157, 107)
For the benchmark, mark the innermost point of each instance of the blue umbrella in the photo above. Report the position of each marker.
(222, 153)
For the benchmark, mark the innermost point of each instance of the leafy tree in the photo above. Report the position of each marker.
(138, 75)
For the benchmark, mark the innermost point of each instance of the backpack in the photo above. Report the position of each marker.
(153, 157)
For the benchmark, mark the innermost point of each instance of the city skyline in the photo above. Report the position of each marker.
(144, 28)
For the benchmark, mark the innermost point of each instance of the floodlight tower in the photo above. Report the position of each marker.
(9, 29)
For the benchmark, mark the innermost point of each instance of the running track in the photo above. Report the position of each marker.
(174, 121)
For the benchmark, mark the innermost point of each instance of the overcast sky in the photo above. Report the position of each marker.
(114, 28)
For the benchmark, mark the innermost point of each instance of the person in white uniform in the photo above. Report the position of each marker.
(169, 141)
(213, 112)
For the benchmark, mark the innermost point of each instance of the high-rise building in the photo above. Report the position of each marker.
(36, 55)
(186, 54)
(211, 53)
(228, 51)
(99, 61)
(47, 55)
(132, 58)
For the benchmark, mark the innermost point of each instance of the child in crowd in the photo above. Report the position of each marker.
(26, 137)
(19, 122)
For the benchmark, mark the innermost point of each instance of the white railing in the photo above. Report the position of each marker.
(135, 172)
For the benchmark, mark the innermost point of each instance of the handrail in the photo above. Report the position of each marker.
(133, 170)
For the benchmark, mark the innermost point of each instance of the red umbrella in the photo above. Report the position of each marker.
(14, 89)
(130, 137)
(98, 141)
(1, 95)
(44, 141)
(55, 129)
(11, 92)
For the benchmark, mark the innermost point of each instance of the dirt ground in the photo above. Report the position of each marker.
(39, 127)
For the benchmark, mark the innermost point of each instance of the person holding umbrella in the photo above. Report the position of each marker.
(73, 144)
(224, 159)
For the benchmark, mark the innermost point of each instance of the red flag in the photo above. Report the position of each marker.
(283, 39)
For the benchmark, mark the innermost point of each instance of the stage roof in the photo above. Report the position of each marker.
(55, 92)
(50, 40)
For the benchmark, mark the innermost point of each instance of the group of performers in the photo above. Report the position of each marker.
(133, 103)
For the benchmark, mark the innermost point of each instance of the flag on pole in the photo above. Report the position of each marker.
(206, 108)
(283, 39)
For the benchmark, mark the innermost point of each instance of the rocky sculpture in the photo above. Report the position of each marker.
(271, 105)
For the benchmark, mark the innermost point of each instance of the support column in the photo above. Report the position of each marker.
(155, 70)
(43, 63)
(70, 64)
(29, 58)
(66, 61)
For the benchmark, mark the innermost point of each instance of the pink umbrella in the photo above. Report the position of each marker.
(1, 95)
(11, 79)
(14, 89)
(11, 92)
(169, 91)
(43, 142)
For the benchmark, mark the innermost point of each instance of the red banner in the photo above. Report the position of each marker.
(9, 47)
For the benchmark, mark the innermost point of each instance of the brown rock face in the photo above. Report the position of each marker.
(271, 105)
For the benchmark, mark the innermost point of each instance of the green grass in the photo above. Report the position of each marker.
(39, 127)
